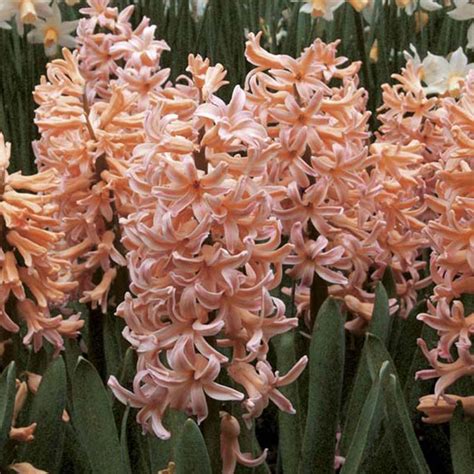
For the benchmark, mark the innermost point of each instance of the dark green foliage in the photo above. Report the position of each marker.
(380, 322)
(462, 442)
(368, 426)
(93, 418)
(7, 400)
(290, 426)
(191, 451)
(47, 410)
(326, 367)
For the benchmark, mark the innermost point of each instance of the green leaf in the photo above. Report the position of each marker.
(72, 352)
(95, 341)
(290, 426)
(462, 442)
(126, 376)
(403, 438)
(129, 365)
(162, 451)
(380, 322)
(468, 302)
(137, 445)
(374, 354)
(75, 460)
(123, 441)
(210, 428)
(368, 427)
(389, 283)
(113, 349)
(399, 426)
(94, 421)
(377, 354)
(382, 459)
(191, 452)
(136, 441)
(326, 367)
(38, 362)
(406, 347)
(7, 402)
(45, 451)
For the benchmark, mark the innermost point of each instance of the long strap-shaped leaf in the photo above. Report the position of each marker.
(400, 429)
(462, 443)
(373, 356)
(94, 420)
(290, 428)
(7, 401)
(45, 451)
(379, 326)
(161, 452)
(380, 322)
(406, 345)
(377, 354)
(191, 452)
(326, 367)
(403, 437)
(123, 441)
(368, 427)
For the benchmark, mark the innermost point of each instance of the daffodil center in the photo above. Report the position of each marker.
(403, 3)
(319, 7)
(50, 37)
(454, 85)
(359, 5)
(27, 12)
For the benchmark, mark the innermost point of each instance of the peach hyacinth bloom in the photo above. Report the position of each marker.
(450, 231)
(408, 144)
(340, 205)
(90, 118)
(24, 434)
(28, 259)
(437, 191)
(25, 468)
(204, 252)
(441, 411)
(230, 449)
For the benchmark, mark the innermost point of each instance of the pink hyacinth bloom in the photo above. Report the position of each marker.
(190, 379)
(230, 449)
(448, 373)
(451, 323)
(261, 385)
(310, 258)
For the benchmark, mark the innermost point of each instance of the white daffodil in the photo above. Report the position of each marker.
(322, 8)
(470, 37)
(4, 18)
(198, 7)
(464, 11)
(415, 58)
(52, 32)
(26, 12)
(442, 76)
(410, 6)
